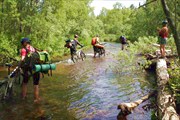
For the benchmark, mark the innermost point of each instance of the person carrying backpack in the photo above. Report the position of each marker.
(26, 50)
(72, 44)
(75, 42)
(96, 45)
(123, 42)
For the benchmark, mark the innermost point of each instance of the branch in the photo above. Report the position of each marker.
(147, 3)
(127, 108)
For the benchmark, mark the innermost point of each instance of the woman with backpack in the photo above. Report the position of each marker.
(123, 42)
(26, 50)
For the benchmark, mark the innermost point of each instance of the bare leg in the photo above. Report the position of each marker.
(163, 50)
(24, 90)
(94, 54)
(122, 46)
(36, 93)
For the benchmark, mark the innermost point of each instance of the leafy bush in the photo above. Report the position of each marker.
(175, 80)
(144, 45)
(110, 38)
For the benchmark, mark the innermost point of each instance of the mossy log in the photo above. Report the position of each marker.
(127, 108)
(165, 99)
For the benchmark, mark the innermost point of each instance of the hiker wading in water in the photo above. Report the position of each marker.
(26, 51)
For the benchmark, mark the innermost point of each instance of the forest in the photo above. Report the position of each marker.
(48, 23)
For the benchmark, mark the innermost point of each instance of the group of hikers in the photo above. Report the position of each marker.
(72, 45)
(27, 49)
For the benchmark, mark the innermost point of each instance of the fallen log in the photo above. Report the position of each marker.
(127, 108)
(168, 52)
(165, 99)
(158, 45)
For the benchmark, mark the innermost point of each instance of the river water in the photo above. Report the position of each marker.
(87, 90)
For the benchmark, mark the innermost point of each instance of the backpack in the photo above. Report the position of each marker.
(93, 42)
(39, 61)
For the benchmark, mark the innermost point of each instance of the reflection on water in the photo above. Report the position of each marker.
(86, 90)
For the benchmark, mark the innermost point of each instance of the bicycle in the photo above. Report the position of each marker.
(6, 85)
(78, 55)
(100, 51)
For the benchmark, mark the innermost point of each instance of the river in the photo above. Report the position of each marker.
(87, 90)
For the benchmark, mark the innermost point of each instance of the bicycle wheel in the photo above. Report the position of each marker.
(3, 85)
(8, 91)
(83, 56)
(103, 52)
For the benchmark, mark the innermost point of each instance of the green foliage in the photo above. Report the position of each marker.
(144, 45)
(140, 47)
(47, 23)
(116, 21)
(175, 80)
(111, 38)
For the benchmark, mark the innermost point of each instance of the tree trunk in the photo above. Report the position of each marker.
(172, 25)
(165, 99)
(2, 10)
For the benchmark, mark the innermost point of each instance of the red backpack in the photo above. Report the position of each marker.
(93, 42)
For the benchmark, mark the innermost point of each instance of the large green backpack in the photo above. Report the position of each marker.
(39, 61)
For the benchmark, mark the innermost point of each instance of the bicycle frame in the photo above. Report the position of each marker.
(78, 55)
(9, 82)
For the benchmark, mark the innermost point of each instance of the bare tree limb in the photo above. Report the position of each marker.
(147, 3)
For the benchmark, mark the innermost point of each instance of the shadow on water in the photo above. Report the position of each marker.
(88, 90)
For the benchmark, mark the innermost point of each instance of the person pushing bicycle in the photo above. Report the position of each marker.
(72, 44)
(26, 50)
(96, 45)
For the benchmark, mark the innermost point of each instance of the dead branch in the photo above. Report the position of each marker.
(147, 3)
(127, 108)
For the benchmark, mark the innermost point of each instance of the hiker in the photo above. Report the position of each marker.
(72, 44)
(75, 42)
(96, 45)
(122, 41)
(163, 35)
(26, 50)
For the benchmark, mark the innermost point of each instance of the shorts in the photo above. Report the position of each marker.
(95, 48)
(162, 41)
(73, 50)
(123, 43)
(27, 74)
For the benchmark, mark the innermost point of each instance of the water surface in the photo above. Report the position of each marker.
(87, 90)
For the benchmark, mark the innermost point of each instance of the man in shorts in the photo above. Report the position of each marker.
(163, 35)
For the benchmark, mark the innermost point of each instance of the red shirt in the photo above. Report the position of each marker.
(164, 32)
(29, 49)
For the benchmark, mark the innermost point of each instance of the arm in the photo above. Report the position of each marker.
(79, 43)
(97, 40)
(23, 55)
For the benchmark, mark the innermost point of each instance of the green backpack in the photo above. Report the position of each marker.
(39, 61)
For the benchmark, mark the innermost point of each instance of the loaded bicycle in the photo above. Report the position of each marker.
(8, 83)
(100, 50)
(78, 55)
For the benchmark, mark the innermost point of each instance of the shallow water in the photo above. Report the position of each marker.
(87, 90)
